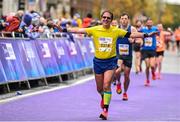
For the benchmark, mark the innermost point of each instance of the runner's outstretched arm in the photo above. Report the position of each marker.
(76, 30)
(140, 35)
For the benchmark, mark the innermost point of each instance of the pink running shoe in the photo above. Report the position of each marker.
(125, 96)
(118, 88)
(104, 115)
(147, 83)
(158, 75)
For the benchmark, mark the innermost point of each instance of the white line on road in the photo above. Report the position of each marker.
(47, 90)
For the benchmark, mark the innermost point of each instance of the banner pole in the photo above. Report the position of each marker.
(60, 79)
(28, 84)
(8, 89)
(45, 80)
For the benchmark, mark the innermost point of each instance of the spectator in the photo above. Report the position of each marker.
(76, 21)
(11, 25)
(43, 29)
(20, 14)
(114, 23)
(87, 21)
(2, 24)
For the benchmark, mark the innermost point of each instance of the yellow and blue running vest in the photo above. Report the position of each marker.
(105, 40)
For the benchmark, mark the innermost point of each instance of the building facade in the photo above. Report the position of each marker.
(57, 8)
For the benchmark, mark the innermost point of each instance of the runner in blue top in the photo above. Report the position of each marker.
(124, 53)
(148, 50)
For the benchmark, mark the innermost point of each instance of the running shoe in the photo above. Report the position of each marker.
(104, 115)
(102, 103)
(147, 83)
(136, 72)
(158, 76)
(125, 97)
(118, 88)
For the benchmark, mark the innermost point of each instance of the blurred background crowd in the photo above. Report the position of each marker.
(38, 18)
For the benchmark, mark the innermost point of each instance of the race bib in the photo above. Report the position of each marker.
(105, 44)
(158, 44)
(123, 49)
(148, 41)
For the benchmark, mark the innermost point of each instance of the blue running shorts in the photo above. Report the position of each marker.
(102, 65)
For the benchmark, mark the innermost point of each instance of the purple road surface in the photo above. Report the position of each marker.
(159, 102)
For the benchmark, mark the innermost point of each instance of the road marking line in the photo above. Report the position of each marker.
(47, 90)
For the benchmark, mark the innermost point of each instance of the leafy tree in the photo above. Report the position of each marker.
(155, 9)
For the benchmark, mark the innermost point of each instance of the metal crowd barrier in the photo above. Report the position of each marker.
(24, 59)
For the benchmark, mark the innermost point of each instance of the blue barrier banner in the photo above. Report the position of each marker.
(30, 59)
(47, 57)
(11, 61)
(3, 78)
(62, 55)
(87, 50)
(75, 54)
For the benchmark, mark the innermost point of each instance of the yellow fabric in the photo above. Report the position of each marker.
(79, 22)
(107, 98)
(105, 40)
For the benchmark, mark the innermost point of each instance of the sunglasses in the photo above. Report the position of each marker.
(104, 17)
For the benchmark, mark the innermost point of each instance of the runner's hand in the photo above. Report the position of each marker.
(153, 33)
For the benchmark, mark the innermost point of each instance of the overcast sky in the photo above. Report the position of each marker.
(173, 1)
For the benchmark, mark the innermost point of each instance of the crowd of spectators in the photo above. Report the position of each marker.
(34, 25)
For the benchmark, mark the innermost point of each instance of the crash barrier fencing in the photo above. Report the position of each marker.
(23, 59)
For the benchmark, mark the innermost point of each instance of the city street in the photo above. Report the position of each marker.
(158, 102)
(58, 60)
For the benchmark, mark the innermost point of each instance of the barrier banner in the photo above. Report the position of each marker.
(87, 50)
(62, 55)
(30, 59)
(47, 57)
(11, 61)
(75, 54)
(3, 78)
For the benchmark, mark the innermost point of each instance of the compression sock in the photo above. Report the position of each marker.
(107, 99)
